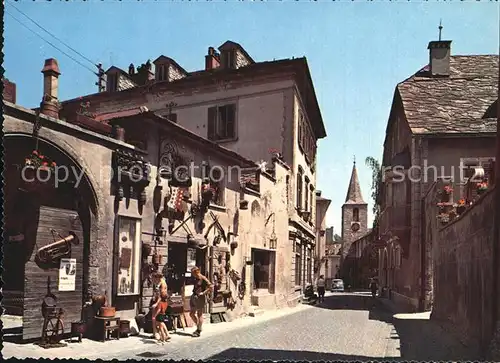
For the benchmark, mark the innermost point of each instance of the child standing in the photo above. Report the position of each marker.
(161, 309)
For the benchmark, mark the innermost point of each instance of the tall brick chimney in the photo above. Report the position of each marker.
(212, 59)
(50, 104)
(9, 91)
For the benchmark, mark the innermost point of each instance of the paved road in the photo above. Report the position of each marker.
(345, 327)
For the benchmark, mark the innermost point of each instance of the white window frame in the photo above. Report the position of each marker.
(472, 162)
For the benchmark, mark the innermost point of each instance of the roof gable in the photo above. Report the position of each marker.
(454, 104)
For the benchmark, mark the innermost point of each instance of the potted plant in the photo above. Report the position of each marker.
(460, 206)
(446, 193)
(482, 187)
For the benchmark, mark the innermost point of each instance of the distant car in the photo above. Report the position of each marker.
(337, 285)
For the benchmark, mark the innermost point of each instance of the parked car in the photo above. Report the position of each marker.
(337, 285)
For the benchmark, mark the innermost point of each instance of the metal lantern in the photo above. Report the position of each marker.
(273, 241)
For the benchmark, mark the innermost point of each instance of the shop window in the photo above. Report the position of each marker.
(298, 264)
(309, 268)
(355, 215)
(128, 247)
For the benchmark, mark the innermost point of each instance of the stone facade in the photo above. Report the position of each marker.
(463, 272)
(267, 111)
(322, 205)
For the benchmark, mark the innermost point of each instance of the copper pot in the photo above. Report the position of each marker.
(107, 311)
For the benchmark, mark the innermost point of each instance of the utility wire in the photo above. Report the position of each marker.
(45, 40)
(49, 33)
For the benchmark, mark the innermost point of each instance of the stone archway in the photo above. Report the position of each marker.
(26, 212)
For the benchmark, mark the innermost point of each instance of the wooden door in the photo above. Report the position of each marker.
(37, 280)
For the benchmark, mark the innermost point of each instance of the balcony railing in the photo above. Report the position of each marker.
(394, 218)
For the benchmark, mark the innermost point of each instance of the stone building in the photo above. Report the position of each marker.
(253, 108)
(361, 262)
(124, 204)
(354, 216)
(322, 205)
(442, 118)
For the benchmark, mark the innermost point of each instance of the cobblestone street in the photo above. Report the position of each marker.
(345, 327)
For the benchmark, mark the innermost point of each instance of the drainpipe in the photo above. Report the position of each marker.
(496, 229)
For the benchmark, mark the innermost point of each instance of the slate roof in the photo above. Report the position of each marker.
(354, 192)
(454, 104)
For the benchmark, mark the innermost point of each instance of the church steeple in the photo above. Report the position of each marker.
(354, 195)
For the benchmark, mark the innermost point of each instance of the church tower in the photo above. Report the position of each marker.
(354, 213)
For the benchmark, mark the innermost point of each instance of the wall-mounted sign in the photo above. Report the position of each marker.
(67, 274)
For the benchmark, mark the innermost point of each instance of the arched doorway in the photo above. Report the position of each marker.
(39, 214)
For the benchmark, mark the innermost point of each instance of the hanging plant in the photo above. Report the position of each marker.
(39, 161)
(482, 187)
(447, 189)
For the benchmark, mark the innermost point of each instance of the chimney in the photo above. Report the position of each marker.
(50, 105)
(212, 59)
(318, 193)
(9, 91)
(439, 57)
(131, 69)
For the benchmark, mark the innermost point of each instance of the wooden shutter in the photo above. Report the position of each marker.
(212, 121)
(230, 121)
(272, 271)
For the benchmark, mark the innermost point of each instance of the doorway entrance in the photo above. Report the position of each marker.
(263, 269)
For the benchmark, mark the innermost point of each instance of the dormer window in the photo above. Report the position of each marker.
(112, 85)
(229, 59)
(161, 72)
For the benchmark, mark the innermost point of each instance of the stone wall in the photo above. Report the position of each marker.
(463, 273)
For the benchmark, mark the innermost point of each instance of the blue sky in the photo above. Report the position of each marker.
(357, 51)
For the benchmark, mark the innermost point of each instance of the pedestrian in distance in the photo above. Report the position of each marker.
(202, 287)
(320, 285)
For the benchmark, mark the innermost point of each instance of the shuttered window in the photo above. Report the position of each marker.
(222, 122)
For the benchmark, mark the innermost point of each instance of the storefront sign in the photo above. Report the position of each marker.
(67, 274)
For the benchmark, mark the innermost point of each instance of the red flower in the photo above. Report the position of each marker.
(45, 163)
(41, 156)
(54, 163)
(35, 152)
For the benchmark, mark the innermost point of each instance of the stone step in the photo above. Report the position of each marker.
(255, 311)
